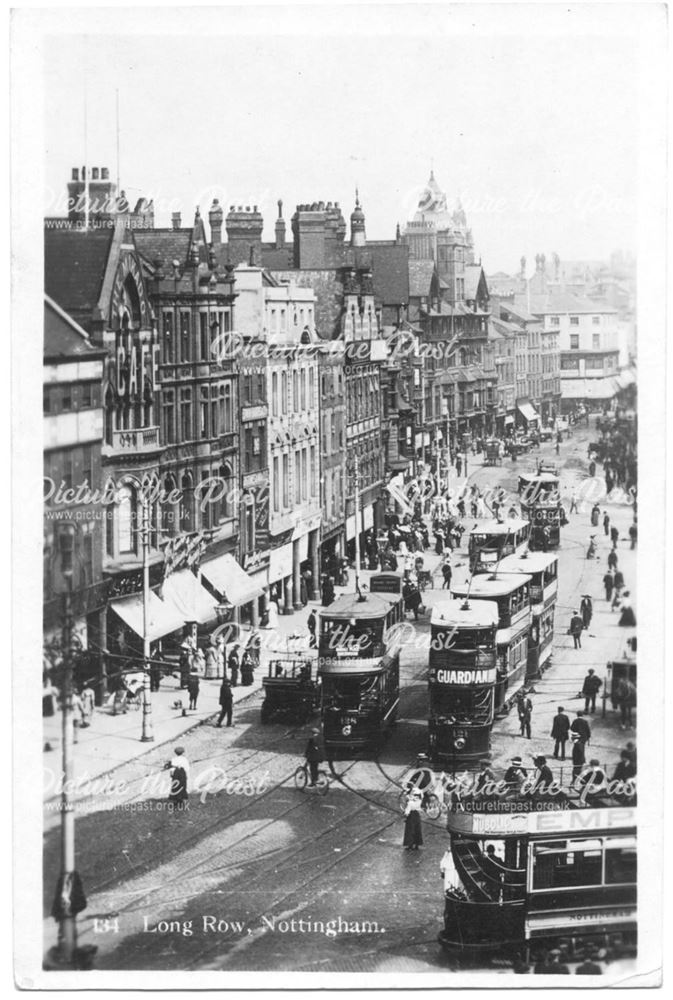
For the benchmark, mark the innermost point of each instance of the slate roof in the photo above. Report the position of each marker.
(420, 278)
(473, 273)
(64, 339)
(390, 272)
(166, 245)
(74, 266)
(566, 302)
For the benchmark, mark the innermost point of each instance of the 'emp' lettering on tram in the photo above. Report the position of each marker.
(464, 676)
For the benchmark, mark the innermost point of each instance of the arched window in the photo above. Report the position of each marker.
(187, 503)
(170, 511)
(227, 500)
(274, 394)
(127, 535)
(283, 392)
(132, 300)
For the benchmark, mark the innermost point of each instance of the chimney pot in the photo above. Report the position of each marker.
(247, 208)
(105, 174)
(94, 174)
(75, 173)
(177, 220)
(254, 208)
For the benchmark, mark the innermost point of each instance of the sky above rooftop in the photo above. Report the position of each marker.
(530, 116)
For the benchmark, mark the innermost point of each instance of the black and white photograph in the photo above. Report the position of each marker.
(342, 515)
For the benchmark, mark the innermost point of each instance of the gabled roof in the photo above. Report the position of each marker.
(474, 273)
(390, 272)
(64, 339)
(166, 245)
(74, 266)
(420, 278)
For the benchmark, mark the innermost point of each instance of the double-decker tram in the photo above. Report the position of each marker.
(359, 669)
(461, 681)
(541, 503)
(516, 880)
(511, 592)
(490, 540)
(542, 567)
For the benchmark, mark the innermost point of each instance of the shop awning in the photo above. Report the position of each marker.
(588, 388)
(162, 618)
(527, 411)
(227, 578)
(191, 601)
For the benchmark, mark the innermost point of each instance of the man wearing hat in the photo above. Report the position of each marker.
(559, 732)
(484, 778)
(590, 688)
(515, 775)
(589, 966)
(313, 755)
(543, 776)
(576, 626)
(593, 781)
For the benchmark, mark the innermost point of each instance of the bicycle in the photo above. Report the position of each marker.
(302, 778)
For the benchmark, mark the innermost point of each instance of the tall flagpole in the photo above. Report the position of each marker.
(86, 152)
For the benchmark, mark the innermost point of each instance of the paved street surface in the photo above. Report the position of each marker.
(240, 879)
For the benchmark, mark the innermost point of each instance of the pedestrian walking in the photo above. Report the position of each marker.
(328, 592)
(578, 755)
(581, 728)
(609, 583)
(211, 662)
(221, 657)
(586, 610)
(226, 702)
(459, 465)
(619, 587)
(413, 834)
(193, 689)
(573, 503)
(524, 707)
(88, 703)
(313, 755)
(247, 668)
(590, 688)
(592, 469)
(311, 624)
(627, 617)
(575, 630)
(613, 561)
(184, 668)
(155, 677)
(606, 523)
(178, 768)
(626, 697)
(595, 514)
(446, 573)
(233, 666)
(559, 732)
(614, 536)
(633, 534)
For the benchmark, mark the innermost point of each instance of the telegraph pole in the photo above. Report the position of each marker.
(147, 735)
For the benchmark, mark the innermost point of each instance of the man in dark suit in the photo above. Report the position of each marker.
(581, 727)
(559, 732)
(226, 702)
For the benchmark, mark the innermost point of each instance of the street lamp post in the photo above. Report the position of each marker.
(147, 735)
(69, 897)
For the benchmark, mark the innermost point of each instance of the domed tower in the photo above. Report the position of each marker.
(358, 235)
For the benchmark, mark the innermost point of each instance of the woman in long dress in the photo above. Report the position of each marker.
(413, 835)
(627, 616)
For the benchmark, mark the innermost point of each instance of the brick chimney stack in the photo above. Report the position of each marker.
(244, 233)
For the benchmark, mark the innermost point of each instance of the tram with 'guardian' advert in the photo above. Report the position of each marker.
(542, 567)
(541, 504)
(511, 593)
(461, 681)
(359, 669)
(490, 540)
(519, 882)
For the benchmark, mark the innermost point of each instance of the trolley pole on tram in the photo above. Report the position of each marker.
(147, 735)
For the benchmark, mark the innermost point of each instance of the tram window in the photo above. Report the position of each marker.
(621, 865)
(566, 869)
(463, 705)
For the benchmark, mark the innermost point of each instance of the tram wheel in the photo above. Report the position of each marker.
(433, 807)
